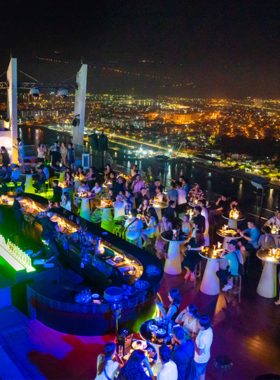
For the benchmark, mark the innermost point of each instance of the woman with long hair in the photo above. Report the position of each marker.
(66, 203)
(172, 311)
(151, 223)
(133, 369)
(189, 317)
(68, 179)
(63, 152)
(41, 152)
(106, 366)
(144, 207)
(192, 257)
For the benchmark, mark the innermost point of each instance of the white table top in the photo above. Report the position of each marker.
(230, 237)
(227, 217)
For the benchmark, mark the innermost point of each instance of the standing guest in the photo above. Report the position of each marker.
(203, 344)
(151, 224)
(136, 187)
(48, 236)
(15, 178)
(41, 181)
(234, 257)
(266, 241)
(119, 186)
(21, 152)
(46, 171)
(142, 196)
(233, 205)
(153, 186)
(199, 220)
(110, 183)
(17, 214)
(169, 369)
(57, 192)
(204, 213)
(5, 156)
(56, 156)
(53, 147)
(119, 207)
(63, 152)
(249, 242)
(172, 311)
(275, 220)
(71, 156)
(192, 257)
(169, 212)
(182, 202)
(41, 152)
(195, 193)
(183, 354)
(158, 195)
(172, 192)
(133, 369)
(107, 368)
(221, 207)
(128, 201)
(189, 318)
(133, 228)
(66, 203)
(134, 171)
(97, 189)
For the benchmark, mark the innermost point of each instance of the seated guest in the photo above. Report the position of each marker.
(151, 222)
(97, 189)
(189, 318)
(133, 228)
(137, 185)
(84, 187)
(68, 179)
(162, 226)
(107, 368)
(141, 196)
(79, 172)
(233, 205)
(57, 192)
(41, 181)
(119, 208)
(172, 192)
(153, 186)
(133, 368)
(5, 156)
(172, 311)
(92, 174)
(169, 369)
(15, 178)
(275, 220)
(192, 257)
(199, 220)
(203, 344)
(144, 207)
(181, 202)
(112, 195)
(186, 225)
(266, 241)
(169, 212)
(234, 257)
(56, 166)
(220, 209)
(66, 203)
(158, 196)
(195, 193)
(6, 175)
(183, 354)
(107, 171)
(128, 201)
(119, 186)
(249, 242)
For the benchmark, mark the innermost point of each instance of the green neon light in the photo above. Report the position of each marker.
(13, 260)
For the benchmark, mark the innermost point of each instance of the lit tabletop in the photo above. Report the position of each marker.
(173, 261)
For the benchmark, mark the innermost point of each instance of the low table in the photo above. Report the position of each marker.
(173, 262)
(267, 286)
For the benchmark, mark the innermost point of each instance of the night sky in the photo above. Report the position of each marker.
(225, 48)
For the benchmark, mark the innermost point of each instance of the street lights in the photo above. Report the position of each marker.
(259, 185)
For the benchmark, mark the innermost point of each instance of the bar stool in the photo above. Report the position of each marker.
(197, 273)
(236, 289)
(224, 363)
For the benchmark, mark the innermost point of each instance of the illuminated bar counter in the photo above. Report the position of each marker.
(118, 274)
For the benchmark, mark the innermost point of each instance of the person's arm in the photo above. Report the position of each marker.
(217, 203)
(147, 364)
(199, 347)
(161, 308)
(179, 319)
(245, 237)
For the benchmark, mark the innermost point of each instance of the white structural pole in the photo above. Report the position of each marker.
(80, 105)
(12, 105)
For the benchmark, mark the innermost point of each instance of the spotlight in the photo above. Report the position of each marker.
(63, 92)
(35, 92)
(76, 121)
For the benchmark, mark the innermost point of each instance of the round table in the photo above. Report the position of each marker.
(85, 207)
(28, 188)
(158, 206)
(60, 175)
(267, 286)
(173, 261)
(210, 283)
(276, 238)
(232, 223)
(66, 189)
(227, 239)
(107, 218)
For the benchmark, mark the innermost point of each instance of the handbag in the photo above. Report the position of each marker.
(240, 266)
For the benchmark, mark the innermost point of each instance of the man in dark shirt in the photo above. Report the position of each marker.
(17, 214)
(153, 186)
(57, 192)
(169, 213)
(41, 181)
(221, 207)
(199, 220)
(5, 156)
(48, 235)
(119, 186)
(56, 156)
(183, 354)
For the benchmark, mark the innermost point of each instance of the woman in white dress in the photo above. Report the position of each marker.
(41, 152)
(106, 366)
(189, 317)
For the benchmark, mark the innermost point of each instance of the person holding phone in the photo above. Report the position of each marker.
(133, 369)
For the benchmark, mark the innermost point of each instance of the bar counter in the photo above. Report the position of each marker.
(53, 302)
